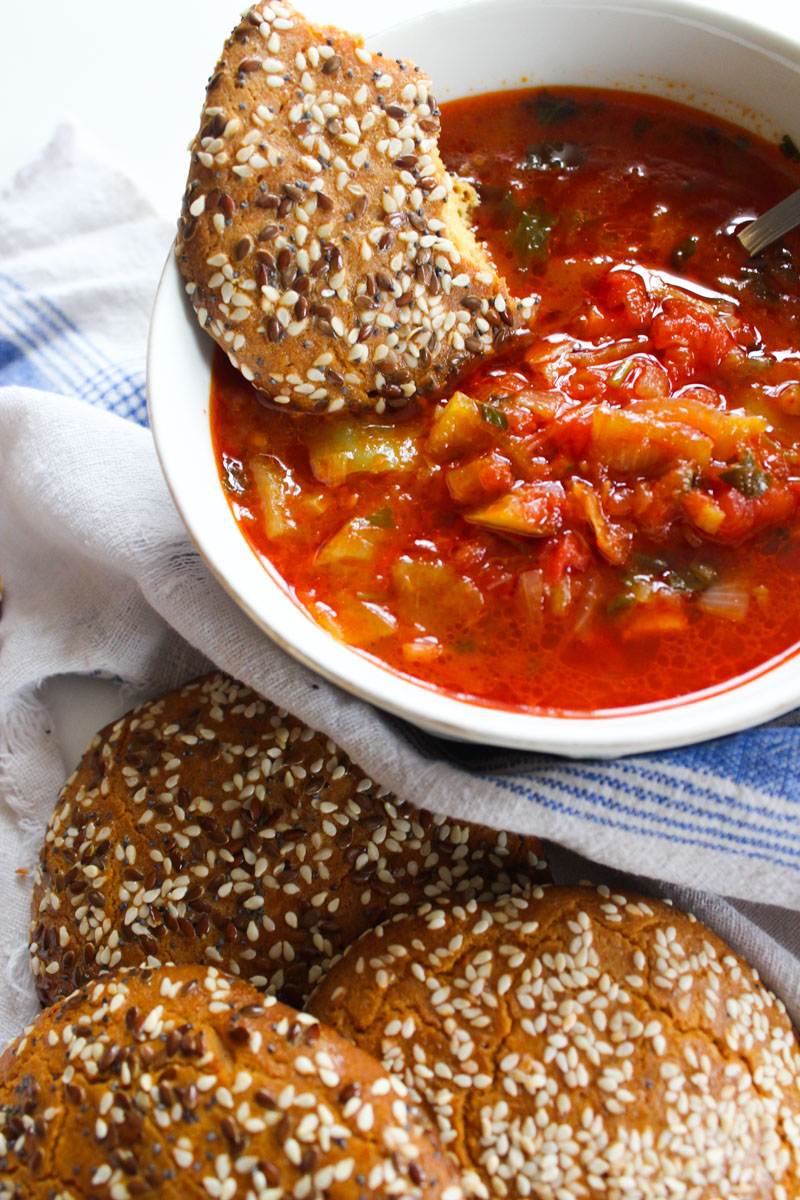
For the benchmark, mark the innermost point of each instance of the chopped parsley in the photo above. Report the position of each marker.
(550, 109)
(383, 518)
(493, 416)
(683, 252)
(531, 235)
(788, 148)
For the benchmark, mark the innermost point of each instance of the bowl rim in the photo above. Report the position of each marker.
(772, 689)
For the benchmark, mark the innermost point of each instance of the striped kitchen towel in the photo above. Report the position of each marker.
(100, 577)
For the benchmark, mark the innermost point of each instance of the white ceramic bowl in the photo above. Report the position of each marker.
(714, 62)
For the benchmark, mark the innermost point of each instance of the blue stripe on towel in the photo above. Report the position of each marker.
(665, 798)
(43, 348)
(553, 793)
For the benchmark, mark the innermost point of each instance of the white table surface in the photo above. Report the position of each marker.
(131, 76)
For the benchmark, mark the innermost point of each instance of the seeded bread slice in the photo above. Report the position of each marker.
(184, 1083)
(209, 826)
(578, 1043)
(322, 242)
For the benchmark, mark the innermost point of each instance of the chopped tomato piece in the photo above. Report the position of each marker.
(788, 397)
(743, 517)
(658, 507)
(702, 335)
(626, 290)
(613, 541)
(572, 432)
(569, 553)
(649, 379)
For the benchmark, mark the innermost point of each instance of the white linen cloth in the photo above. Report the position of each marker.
(101, 578)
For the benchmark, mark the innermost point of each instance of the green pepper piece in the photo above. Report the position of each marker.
(648, 564)
(747, 477)
(694, 578)
(620, 603)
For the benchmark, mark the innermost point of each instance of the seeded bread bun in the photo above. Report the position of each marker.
(183, 1082)
(208, 826)
(322, 242)
(574, 1043)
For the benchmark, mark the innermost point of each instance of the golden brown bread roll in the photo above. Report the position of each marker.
(183, 1082)
(575, 1043)
(322, 243)
(209, 826)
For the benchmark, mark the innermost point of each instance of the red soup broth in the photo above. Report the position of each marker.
(606, 515)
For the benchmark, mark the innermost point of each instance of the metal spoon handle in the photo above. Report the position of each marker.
(772, 224)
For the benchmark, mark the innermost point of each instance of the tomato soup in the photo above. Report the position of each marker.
(606, 515)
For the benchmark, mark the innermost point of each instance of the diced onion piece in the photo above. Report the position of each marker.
(274, 484)
(338, 449)
(531, 510)
(651, 381)
(546, 351)
(728, 599)
(356, 621)
(761, 596)
(325, 616)
(662, 614)
(457, 428)
(727, 428)
(587, 607)
(592, 356)
(434, 596)
(634, 441)
(357, 541)
(703, 511)
(530, 594)
(562, 594)
(422, 650)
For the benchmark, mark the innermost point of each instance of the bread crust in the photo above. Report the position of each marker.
(184, 1082)
(322, 244)
(210, 826)
(577, 1042)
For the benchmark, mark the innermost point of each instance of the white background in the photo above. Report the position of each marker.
(132, 77)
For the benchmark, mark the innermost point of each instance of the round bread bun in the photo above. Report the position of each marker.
(578, 1043)
(209, 826)
(324, 245)
(183, 1082)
